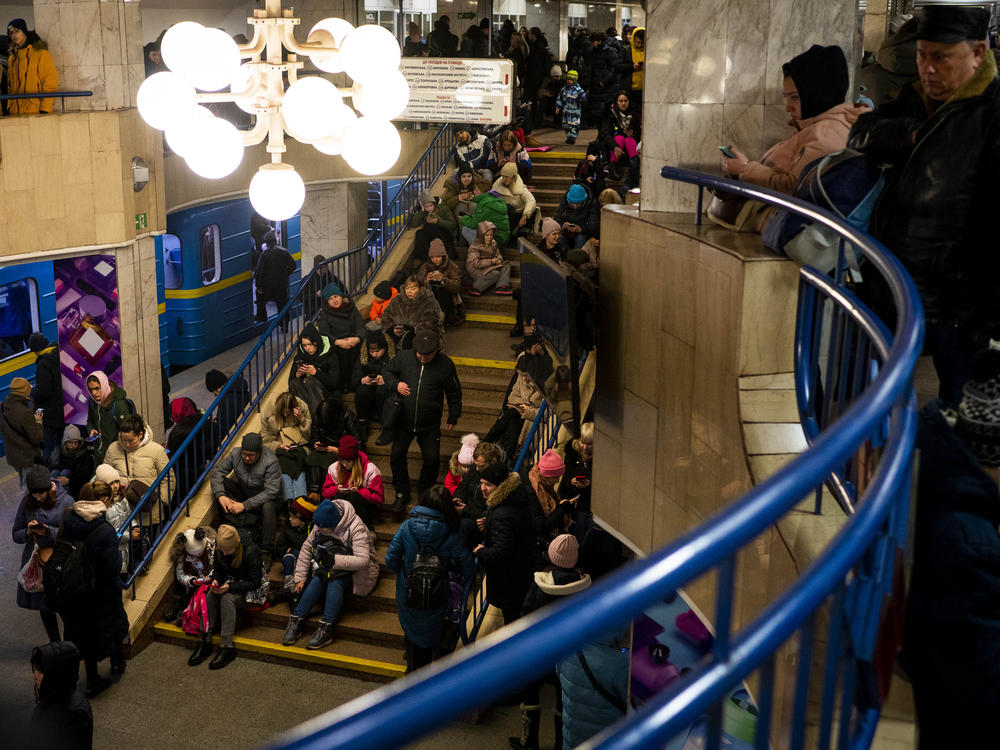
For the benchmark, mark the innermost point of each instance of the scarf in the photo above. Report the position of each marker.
(88, 510)
(105, 384)
(623, 120)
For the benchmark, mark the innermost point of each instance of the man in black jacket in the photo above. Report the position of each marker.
(423, 377)
(937, 210)
(47, 393)
(276, 264)
(441, 42)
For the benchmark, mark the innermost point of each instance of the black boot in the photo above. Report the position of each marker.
(402, 500)
(223, 658)
(293, 632)
(531, 717)
(322, 636)
(202, 651)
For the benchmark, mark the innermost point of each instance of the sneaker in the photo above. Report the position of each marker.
(402, 500)
(503, 291)
(293, 632)
(475, 292)
(322, 637)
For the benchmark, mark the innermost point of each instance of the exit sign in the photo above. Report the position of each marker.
(141, 221)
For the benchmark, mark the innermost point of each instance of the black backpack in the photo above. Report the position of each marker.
(325, 549)
(67, 577)
(427, 586)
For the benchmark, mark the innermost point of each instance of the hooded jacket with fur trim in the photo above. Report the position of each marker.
(144, 463)
(31, 70)
(421, 312)
(508, 552)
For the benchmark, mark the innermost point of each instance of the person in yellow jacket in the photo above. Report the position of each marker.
(638, 50)
(30, 70)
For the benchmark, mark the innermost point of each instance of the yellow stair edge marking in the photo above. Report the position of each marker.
(477, 362)
(556, 155)
(253, 645)
(486, 318)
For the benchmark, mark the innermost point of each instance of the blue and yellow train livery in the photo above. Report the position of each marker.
(27, 303)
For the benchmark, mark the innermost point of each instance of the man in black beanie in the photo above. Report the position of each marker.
(937, 211)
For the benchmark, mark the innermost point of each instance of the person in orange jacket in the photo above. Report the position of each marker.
(383, 294)
(30, 70)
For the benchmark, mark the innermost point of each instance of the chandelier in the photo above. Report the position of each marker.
(206, 66)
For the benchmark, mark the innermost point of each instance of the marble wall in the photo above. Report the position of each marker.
(713, 76)
(97, 46)
(333, 220)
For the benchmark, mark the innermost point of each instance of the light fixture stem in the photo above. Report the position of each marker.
(308, 48)
(258, 132)
(256, 45)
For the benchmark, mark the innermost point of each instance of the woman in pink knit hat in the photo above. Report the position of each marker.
(544, 478)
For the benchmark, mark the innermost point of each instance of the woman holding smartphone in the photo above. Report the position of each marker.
(37, 521)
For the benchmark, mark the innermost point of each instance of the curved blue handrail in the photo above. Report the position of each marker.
(851, 570)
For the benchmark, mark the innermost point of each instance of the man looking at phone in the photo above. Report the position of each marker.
(423, 377)
(21, 430)
(249, 498)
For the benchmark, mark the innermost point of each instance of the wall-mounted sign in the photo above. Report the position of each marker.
(141, 221)
(444, 89)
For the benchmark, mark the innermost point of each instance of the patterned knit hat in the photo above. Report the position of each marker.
(303, 507)
(979, 412)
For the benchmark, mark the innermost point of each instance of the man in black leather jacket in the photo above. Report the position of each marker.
(423, 377)
(937, 212)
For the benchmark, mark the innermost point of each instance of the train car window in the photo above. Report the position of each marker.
(173, 276)
(210, 254)
(18, 316)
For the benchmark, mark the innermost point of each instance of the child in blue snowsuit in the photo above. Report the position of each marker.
(570, 102)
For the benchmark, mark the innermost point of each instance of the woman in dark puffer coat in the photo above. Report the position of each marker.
(315, 374)
(340, 321)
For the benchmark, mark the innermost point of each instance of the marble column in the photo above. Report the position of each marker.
(876, 23)
(713, 76)
(97, 46)
(333, 220)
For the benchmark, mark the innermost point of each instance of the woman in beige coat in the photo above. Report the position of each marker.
(286, 432)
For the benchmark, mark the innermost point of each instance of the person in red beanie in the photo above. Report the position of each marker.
(355, 479)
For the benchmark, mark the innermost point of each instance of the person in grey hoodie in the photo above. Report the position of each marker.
(249, 499)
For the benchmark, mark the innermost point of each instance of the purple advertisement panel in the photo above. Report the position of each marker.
(89, 330)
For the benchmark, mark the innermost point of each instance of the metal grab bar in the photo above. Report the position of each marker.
(854, 574)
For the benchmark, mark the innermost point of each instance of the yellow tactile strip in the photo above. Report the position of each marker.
(507, 320)
(296, 653)
(477, 362)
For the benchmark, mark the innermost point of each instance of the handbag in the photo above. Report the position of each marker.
(30, 575)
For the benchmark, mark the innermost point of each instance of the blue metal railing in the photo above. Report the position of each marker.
(853, 575)
(190, 465)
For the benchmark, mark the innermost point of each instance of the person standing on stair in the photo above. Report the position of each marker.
(423, 377)
(47, 394)
(21, 430)
(431, 527)
(237, 569)
(341, 555)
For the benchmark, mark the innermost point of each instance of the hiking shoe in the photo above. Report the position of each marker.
(322, 637)
(293, 632)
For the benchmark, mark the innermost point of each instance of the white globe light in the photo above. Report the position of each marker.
(329, 31)
(277, 192)
(183, 136)
(217, 152)
(164, 99)
(331, 145)
(371, 146)
(368, 52)
(216, 61)
(181, 45)
(245, 83)
(310, 107)
(382, 98)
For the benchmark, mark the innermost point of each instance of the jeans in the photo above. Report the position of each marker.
(499, 277)
(288, 563)
(293, 488)
(226, 604)
(333, 594)
(430, 448)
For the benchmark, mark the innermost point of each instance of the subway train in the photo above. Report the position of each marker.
(205, 293)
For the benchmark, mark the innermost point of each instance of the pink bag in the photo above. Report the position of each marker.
(694, 630)
(194, 620)
(30, 576)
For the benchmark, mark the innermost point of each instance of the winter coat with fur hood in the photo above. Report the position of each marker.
(421, 312)
(508, 552)
(352, 531)
(31, 70)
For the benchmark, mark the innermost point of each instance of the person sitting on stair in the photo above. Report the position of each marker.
(341, 557)
(356, 479)
(444, 278)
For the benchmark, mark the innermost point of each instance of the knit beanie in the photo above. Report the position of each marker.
(436, 249)
(383, 290)
(979, 411)
(508, 170)
(572, 74)
(550, 225)
(331, 289)
(107, 473)
(327, 515)
(465, 168)
(821, 77)
(303, 508)
(377, 339)
(38, 479)
(252, 441)
(425, 196)
(348, 447)
(37, 341)
(72, 432)
(469, 444)
(556, 71)
(564, 551)
(18, 23)
(20, 387)
(551, 465)
(227, 539)
(576, 194)
(495, 473)
(215, 379)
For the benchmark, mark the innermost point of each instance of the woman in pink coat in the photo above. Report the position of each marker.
(341, 557)
(815, 86)
(355, 479)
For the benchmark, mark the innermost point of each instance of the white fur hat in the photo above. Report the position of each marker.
(469, 444)
(193, 543)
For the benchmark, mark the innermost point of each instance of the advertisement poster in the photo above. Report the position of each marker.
(89, 327)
